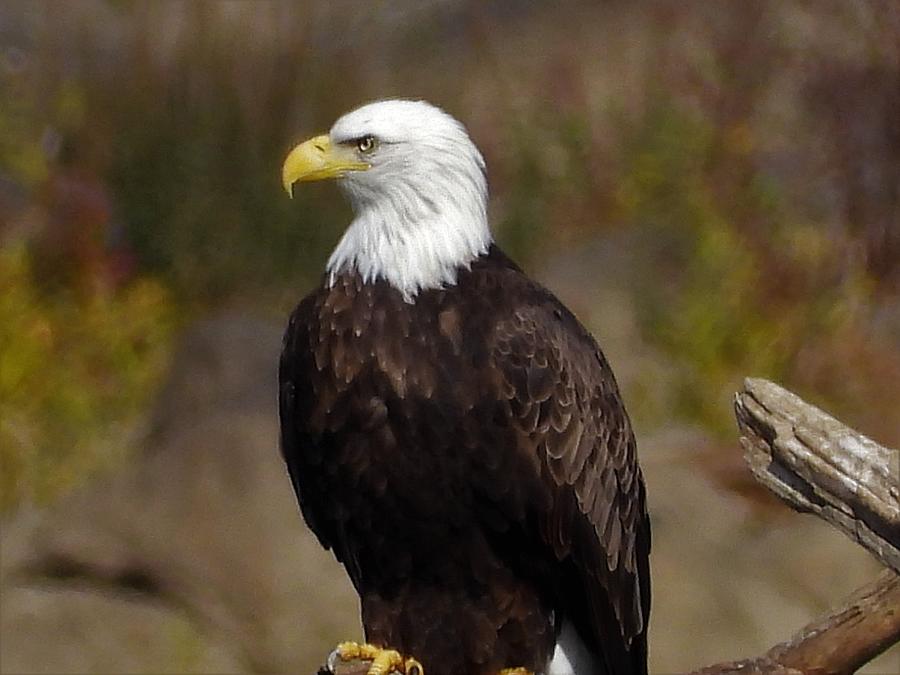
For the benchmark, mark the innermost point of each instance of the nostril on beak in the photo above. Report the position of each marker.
(319, 147)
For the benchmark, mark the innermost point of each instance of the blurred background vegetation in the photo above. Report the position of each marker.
(746, 157)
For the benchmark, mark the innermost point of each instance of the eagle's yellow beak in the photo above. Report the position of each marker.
(318, 159)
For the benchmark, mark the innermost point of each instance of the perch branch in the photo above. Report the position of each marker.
(841, 642)
(818, 465)
(348, 668)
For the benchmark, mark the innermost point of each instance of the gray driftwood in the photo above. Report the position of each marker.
(818, 465)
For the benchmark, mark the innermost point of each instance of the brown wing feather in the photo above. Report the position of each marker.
(299, 357)
(564, 400)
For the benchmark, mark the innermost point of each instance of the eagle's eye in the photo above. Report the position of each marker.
(366, 144)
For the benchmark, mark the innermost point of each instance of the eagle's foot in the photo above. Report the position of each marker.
(384, 661)
(516, 671)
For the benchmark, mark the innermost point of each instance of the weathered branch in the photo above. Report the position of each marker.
(818, 465)
(867, 624)
(348, 668)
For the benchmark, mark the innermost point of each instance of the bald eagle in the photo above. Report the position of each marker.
(452, 432)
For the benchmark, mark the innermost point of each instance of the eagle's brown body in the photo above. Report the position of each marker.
(468, 459)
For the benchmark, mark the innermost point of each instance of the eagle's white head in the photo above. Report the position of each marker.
(418, 189)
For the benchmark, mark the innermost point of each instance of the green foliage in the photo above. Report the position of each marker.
(546, 183)
(20, 154)
(740, 287)
(72, 369)
(209, 215)
(196, 170)
(204, 207)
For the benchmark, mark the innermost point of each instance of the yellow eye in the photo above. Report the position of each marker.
(366, 144)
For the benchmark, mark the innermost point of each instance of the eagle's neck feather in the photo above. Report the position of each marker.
(418, 233)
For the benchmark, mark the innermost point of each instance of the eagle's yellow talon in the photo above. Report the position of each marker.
(347, 651)
(384, 661)
(413, 667)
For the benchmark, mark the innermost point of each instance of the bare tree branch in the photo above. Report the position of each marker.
(818, 465)
(348, 668)
(867, 624)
